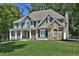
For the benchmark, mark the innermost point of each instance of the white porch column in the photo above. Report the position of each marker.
(64, 36)
(21, 34)
(30, 34)
(64, 33)
(36, 34)
(15, 34)
(10, 34)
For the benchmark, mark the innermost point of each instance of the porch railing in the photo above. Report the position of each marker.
(74, 38)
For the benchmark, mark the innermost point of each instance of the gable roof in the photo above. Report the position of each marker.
(48, 24)
(39, 15)
(55, 20)
(20, 20)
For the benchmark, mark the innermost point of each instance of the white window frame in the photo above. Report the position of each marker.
(42, 33)
(22, 24)
(27, 24)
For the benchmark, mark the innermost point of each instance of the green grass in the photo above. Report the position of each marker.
(39, 48)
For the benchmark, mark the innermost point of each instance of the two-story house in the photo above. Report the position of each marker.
(39, 25)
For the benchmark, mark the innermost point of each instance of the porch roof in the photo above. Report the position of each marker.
(27, 29)
(22, 29)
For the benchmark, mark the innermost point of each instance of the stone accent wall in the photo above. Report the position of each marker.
(52, 27)
(50, 36)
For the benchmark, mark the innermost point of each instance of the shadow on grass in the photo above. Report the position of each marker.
(9, 47)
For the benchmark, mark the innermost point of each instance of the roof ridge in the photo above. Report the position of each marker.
(42, 10)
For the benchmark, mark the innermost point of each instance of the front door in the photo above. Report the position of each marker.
(33, 34)
(25, 35)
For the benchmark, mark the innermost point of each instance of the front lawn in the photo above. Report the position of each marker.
(39, 48)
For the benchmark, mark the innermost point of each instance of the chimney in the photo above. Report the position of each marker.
(67, 24)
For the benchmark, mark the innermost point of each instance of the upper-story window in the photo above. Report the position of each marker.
(28, 24)
(49, 19)
(32, 22)
(22, 25)
(16, 25)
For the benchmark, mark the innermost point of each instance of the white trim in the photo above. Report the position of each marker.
(19, 25)
(43, 34)
(56, 21)
(51, 22)
(36, 34)
(10, 34)
(22, 19)
(30, 34)
(64, 36)
(21, 34)
(42, 20)
(15, 34)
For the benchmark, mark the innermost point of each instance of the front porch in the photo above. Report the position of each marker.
(36, 34)
(23, 34)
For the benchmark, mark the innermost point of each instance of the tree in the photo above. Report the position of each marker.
(8, 13)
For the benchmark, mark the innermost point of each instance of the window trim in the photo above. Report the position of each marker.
(27, 24)
(42, 33)
(56, 34)
(22, 24)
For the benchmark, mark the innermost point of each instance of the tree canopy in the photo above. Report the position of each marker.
(8, 13)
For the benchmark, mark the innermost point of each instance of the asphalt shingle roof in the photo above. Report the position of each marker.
(39, 15)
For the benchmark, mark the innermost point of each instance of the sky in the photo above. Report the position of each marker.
(23, 6)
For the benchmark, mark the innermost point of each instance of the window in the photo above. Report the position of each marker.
(51, 19)
(18, 33)
(32, 22)
(48, 19)
(28, 24)
(22, 24)
(16, 25)
(42, 33)
(55, 32)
